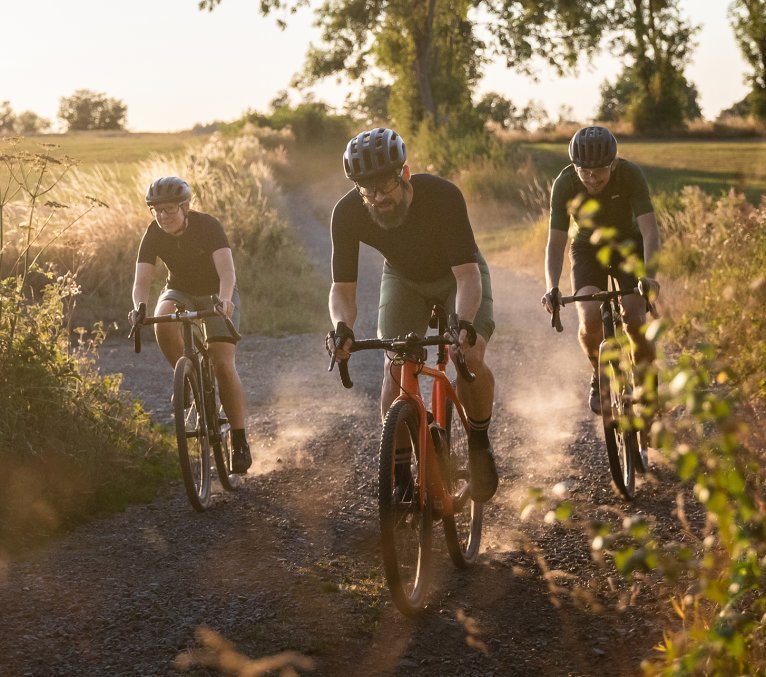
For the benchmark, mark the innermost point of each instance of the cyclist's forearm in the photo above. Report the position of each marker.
(142, 283)
(647, 224)
(224, 267)
(226, 284)
(554, 257)
(469, 291)
(342, 303)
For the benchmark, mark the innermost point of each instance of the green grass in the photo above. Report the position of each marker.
(714, 166)
(116, 150)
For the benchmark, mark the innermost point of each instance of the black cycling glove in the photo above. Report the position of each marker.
(470, 330)
(337, 337)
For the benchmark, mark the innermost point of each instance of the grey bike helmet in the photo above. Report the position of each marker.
(168, 189)
(375, 153)
(592, 147)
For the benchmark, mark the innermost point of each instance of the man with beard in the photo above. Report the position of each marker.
(419, 222)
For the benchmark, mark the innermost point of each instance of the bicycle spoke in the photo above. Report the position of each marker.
(191, 437)
(462, 529)
(405, 528)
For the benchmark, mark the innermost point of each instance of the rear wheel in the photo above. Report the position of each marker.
(222, 451)
(616, 411)
(191, 434)
(462, 529)
(405, 527)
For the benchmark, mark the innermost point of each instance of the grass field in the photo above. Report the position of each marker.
(118, 151)
(714, 166)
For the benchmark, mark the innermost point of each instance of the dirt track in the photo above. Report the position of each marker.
(291, 561)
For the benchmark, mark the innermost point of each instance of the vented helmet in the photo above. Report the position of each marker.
(168, 189)
(592, 147)
(375, 153)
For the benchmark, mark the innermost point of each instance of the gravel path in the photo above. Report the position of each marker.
(291, 560)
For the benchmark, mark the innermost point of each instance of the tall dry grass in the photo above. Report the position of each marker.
(232, 178)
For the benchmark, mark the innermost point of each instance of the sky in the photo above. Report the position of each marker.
(175, 66)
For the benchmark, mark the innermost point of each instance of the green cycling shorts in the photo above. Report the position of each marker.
(405, 305)
(215, 327)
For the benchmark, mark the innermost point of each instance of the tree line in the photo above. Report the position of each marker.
(419, 61)
(83, 110)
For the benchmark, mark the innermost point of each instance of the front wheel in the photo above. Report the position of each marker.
(191, 434)
(616, 411)
(405, 526)
(462, 529)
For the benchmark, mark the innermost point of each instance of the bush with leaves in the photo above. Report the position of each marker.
(71, 445)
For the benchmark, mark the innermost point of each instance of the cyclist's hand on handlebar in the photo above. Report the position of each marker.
(551, 300)
(137, 315)
(466, 337)
(227, 307)
(338, 342)
(649, 288)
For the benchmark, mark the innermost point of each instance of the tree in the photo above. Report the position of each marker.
(87, 109)
(29, 122)
(494, 107)
(740, 109)
(658, 41)
(431, 51)
(372, 104)
(7, 118)
(748, 19)
(617, 98)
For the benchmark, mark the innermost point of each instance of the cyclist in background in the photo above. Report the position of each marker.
(195, 250)
(600, 190)
(419, 222)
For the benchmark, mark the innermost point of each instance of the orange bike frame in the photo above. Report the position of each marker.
(441, 392)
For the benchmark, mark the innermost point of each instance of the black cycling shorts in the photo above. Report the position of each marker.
(589, 271)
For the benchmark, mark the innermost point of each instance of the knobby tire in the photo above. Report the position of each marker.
(220, 435)
(405, 528)
(191, 437)
(462, 529)
(621, 439)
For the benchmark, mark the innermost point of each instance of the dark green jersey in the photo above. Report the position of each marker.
(625, 197)
(188, 257)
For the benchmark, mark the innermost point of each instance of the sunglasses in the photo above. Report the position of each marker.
(378, 189)
(168, 210)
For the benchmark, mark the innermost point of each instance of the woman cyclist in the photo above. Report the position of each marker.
(195, 250)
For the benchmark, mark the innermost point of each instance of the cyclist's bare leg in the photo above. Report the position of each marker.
(169, 335)
(635, 318)
(229, 384)
(590, 332)
(477, 397)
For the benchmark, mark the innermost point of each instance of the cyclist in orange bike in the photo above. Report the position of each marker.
(600, 190)
(419, 222)
(195, 250)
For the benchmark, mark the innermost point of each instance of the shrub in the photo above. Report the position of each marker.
(70, 444)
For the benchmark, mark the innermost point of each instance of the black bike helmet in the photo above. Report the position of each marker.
(592, 147)
(375, 153)
(168, 189)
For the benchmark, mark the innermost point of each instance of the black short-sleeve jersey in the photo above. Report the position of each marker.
(435, 236)
(625, 197)
(189, 257)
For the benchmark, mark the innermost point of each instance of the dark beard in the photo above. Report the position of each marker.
(391, 220)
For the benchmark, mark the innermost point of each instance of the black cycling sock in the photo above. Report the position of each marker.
(238, 438)
(477, 434)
